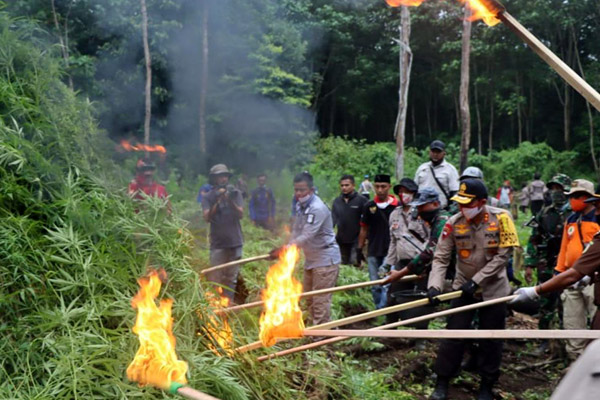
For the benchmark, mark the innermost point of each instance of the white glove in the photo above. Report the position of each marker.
(526, 294)
(583, 282)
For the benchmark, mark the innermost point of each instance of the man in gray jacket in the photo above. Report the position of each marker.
(312, 231)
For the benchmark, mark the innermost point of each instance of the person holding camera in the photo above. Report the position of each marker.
(223, 209)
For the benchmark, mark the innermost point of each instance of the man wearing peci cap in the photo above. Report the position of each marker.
(407, 237)
(483, 238)
(438, 174)
(223, 208)
(374, 225)
(580, 227)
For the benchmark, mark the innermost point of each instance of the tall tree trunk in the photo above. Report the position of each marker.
(203, 80)
(465, 111)
(148, 74)
(64, 46)
(405, 65)
(519, 113)
(491, 129)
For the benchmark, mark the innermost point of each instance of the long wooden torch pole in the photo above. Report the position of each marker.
(570, 76)
(189, 393)
(318, 292)
(236, 262)
(462, 333)
(364, 316)
(390, 326)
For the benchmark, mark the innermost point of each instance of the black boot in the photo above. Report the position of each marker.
(485, 390)
(441, 389)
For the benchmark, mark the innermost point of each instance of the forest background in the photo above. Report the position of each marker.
(290, 85)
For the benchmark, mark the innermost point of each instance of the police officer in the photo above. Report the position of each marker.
(312, 231)
(483, 238)
(544, 245)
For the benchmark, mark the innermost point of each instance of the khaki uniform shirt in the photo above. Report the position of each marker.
(401, 224)
(482, 252)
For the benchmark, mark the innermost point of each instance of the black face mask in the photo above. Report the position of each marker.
(429, 216)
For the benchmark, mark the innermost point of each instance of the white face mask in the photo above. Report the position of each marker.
(471, 213)
(406, 198)
(304, 199)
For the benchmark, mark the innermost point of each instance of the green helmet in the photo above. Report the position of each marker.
(562, 180)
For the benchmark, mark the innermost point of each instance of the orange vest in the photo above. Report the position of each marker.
(571, 246)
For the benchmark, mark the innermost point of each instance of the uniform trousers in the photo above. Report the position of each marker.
(319, 307)
(489, 356)
(226, 277)
(578, 306)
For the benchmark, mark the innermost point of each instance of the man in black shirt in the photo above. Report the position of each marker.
(375, 227)
(223, 208)
(346, 212)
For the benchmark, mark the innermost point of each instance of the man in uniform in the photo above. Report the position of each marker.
(366, 187)
(346, 212)
(483, 238)
(407, 237)
(223, 208)
(430, 213)
(544, 245)
(438, 174)
(536, 190)
(262, 204)
(375, 225)
(312, 231)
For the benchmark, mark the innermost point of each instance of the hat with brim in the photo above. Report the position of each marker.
(582, 186)
(407, 183)
(470, 189)
(595, 197)
(425, 196)
(219, 169)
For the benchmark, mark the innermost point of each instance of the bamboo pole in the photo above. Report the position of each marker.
(558, 65)
(236, 262)
(193, 394)
(364, 316)
(391, 326)
(462, 333)
(240, 307)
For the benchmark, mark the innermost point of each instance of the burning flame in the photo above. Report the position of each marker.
(142, 147)
(155, 362)
(484, 10)
(408, 3)
(223, 336)
(282, 316)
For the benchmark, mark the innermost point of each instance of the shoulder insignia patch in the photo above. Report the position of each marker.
(447, 231)
(571, 231)
(508, 232)
(310, 218)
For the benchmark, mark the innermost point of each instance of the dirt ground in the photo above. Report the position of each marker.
(525, 374)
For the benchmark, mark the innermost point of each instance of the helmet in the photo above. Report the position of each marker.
(219, 169)
(472, 172)
(562, 180)
(144, 165)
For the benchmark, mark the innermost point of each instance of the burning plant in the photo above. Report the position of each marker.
(219, 331)
(125, 145)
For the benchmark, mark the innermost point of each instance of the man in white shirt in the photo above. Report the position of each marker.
(438, 174)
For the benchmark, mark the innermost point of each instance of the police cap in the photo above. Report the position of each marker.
(470, 189)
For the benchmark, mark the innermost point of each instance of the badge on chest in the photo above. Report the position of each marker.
(310, 218)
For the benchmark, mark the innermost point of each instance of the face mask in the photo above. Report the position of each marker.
(577, 205)
(471, 213)
(428, 215)
(303, 200)
(406, 198)
(558, 198)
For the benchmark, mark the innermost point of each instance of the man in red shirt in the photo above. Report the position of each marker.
(144, 182)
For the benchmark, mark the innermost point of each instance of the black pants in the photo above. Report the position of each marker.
(489, 356)
(405, 292)
(348, 253)
(536, 206)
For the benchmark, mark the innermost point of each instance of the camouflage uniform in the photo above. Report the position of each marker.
(542, 250)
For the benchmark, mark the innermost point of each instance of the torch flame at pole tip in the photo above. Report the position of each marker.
(142, 147)
(408, 3)
(485, 10)
(282, 316)
(155, 362)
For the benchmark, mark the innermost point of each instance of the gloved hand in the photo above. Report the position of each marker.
(526, 295)
(582, 283)
(276, 252)
(432, 293)
(468, 289)
(360, 257)
(383, 270)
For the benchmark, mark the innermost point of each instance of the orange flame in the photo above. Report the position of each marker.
(483, 10)
(223, 336)
(142, 147)
(408, 3)
(282, 316)
(155, 362)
